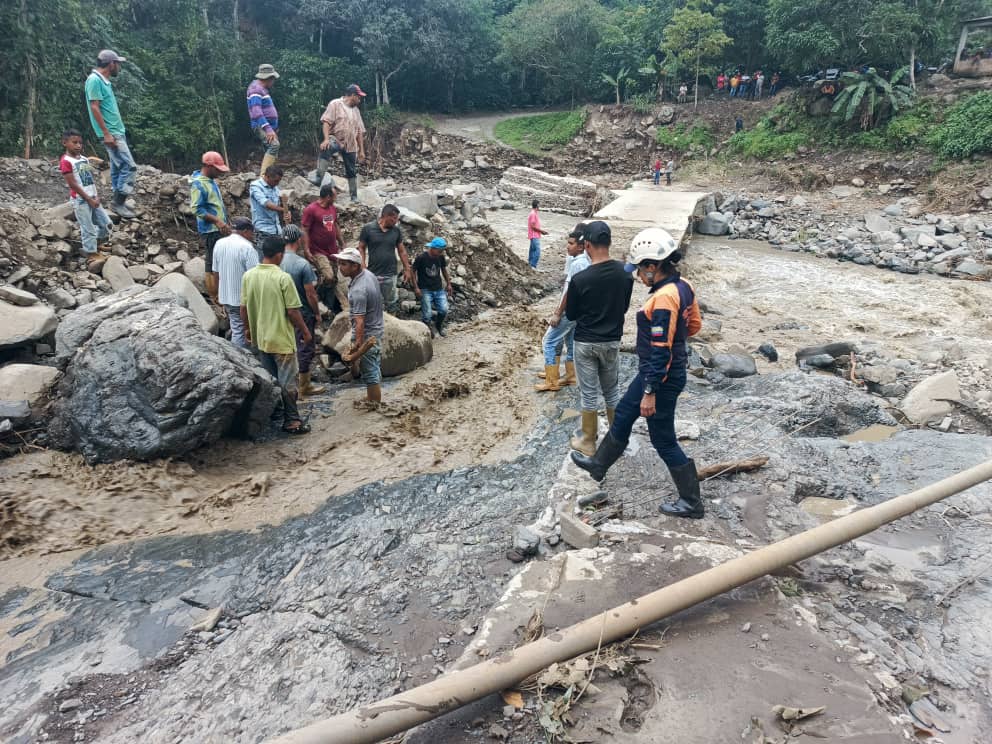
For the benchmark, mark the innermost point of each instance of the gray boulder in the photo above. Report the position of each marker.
(116, 273)
(406, 346)
(184, 288)
(734, 365)
(714, 223)
(20, 325)
(931, 398)
(143, 380)
(423, 204)
(16, 296)
(27, 382)
(876, 223)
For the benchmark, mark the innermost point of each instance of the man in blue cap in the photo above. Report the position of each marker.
(428, 270)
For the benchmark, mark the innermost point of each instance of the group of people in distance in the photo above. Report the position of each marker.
(586, 328)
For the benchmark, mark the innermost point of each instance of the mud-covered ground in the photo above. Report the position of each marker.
(363, 559)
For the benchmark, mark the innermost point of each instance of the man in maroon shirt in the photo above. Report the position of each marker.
(322, 240)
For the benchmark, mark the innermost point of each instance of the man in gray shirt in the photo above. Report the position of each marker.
(365, 309)
(380, 243)
(305, 279)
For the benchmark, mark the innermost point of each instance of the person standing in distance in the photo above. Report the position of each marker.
(534, 233)
(344, 134)
(669, 316)
(109, 127)
(263, 115)
(597, 300)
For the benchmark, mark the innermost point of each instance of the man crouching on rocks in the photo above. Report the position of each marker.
(366, 310)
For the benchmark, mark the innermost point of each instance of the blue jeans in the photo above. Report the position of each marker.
(534, 254)
(657, 177)
(561, 337)
(122, 166)
(271, 148)
(661, 426)
(237, 327)
(369, 365)
(436, 297)
(94, 224)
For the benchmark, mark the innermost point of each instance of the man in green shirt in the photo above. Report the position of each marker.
(109, 127)
(270, 309)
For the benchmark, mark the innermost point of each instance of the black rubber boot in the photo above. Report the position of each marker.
(607, 453)
(439, 322)
(689, 504)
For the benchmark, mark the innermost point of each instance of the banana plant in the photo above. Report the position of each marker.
(871, 97)
(617, 81)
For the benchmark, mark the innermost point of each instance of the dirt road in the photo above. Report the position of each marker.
(480, 127)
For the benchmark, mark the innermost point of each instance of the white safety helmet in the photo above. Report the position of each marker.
(652, 244)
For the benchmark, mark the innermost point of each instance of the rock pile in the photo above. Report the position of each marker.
(418, 152)
(902, 237)
(142, 379)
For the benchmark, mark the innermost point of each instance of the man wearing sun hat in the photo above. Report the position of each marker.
(365, 308)
(109, 127)
(429, 268)
(344, 134)
(207, 204)
(263, 114)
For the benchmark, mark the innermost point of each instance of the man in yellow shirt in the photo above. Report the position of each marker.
(270, 309)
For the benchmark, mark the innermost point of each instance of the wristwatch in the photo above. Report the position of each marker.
(649, 389)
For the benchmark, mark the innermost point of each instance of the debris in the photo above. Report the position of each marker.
(513, 698)
(70, 705)
(731, 467)
(926, 713)
(208, 622)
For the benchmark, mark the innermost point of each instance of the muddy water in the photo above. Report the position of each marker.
(873, 433)
(836, 301)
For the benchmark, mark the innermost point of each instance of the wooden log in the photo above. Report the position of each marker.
(734, 466)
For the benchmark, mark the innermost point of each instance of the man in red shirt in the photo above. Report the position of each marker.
(322, 240)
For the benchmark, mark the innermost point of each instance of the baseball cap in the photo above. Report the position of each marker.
(597, 233)
(349, 254)
(292, 233)
(216, 160)
(353, 90)
(242, 223)
(439, 243)
(265, 72)
(106, 56)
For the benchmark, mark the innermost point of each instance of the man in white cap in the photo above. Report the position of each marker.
(263, 114)
(344, 134)
(109, 127)
(366, 310)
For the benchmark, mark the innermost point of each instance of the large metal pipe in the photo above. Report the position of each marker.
(401, 712)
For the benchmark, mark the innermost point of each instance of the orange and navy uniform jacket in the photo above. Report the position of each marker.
(669, 317)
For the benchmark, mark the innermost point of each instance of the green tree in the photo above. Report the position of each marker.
(384, 44)
(617, 81)
(694, 37)
(871, 98)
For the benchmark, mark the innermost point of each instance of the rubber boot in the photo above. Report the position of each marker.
(120, 208)
(212, 282)
(439, 322)
(542, 373)
(267, 160)
(610, 415)
(586, 441)
(550, 384)
(570, 378)
(353, 188)
(307, 387)
(689, 504)
(374, 393)
(606, 454)
(429, 327)
(318, 178)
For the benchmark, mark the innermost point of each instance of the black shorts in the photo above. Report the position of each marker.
(208, 241)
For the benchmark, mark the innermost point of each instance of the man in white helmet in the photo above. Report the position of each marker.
(669, 316)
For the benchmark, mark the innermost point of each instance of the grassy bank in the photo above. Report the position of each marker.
(540, 132)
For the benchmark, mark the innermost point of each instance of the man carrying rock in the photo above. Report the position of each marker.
(598, 298)
(344, 134)
(560, 336)
(304, 279)
(233, 256)
(263, 115)
(207, 204)
(429, 268)
(267, 210)
(379, 244)
(270, 310)
(321, 241)
(534, 233)
(109, 127)
(367, 321)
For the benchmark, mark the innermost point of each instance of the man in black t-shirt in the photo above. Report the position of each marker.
(380, 243)
(598, 298)
(429, 268)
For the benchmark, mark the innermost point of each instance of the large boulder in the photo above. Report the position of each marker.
(734, 365)
(20, 324)
(714, 223)
(27, 382)
(931, 398)
(116, 273)
(406, 346)
(423, 204)
(142, 380)
(185, 289)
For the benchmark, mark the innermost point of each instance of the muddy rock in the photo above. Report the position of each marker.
(191, 298)
(116, 274)
(714, 223)
(175, 387)
(930, 399)
(20, 325)
(15, 296)
(406, 346)
(27, 382)
(734, 365)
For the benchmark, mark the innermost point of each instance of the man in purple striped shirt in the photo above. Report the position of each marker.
(263, 114)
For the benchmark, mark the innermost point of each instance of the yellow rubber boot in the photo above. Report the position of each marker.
(586, 442)
(543, 374)
(267, 160)
(307, 387)
(610, 415)
(550, 384)
(570, 378)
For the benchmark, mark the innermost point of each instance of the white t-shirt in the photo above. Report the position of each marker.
(83, 171)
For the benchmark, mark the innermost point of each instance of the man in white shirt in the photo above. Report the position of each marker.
(232, 257)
